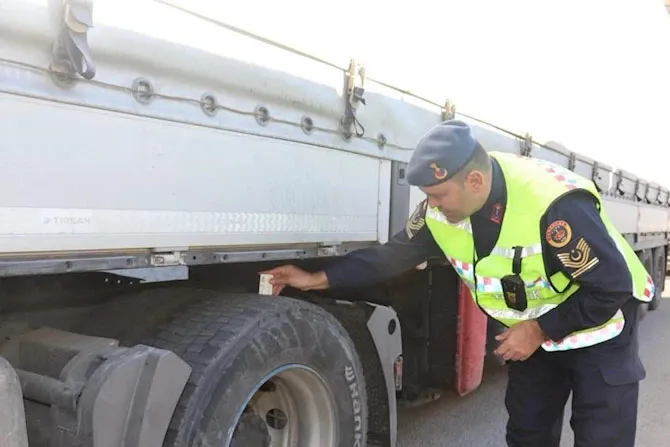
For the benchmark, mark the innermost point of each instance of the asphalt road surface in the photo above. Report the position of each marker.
(478, 420)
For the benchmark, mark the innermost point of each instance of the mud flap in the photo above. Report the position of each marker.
(470, 343)
(385, 332)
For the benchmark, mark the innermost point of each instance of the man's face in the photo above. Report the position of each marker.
(457, 198)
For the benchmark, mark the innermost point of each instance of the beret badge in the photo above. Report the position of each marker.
(438, 172)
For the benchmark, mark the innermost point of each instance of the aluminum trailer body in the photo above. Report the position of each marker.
(152, 167)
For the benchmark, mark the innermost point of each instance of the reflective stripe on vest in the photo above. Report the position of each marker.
(590, 337)
(524, 211)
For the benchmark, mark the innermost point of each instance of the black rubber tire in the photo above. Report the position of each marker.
(235, 341)
(659, 263)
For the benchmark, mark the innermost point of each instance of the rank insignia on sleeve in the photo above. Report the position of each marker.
(417, 220)
(579, 260)
(558, 234)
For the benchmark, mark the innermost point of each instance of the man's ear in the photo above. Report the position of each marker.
(475, 180)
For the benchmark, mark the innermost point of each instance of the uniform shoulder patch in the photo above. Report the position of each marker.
(558, 234)
(417, 220)
(578, 260)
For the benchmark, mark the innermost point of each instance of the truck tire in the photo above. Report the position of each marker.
(658, 276)
(265, 368)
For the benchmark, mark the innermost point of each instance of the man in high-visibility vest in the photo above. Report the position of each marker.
(541, 257)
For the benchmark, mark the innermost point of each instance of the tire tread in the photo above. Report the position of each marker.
(206, 332)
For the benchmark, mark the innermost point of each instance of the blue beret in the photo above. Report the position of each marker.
(441, 153)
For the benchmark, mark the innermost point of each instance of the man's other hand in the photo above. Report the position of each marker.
(520, 341)
(290, 275)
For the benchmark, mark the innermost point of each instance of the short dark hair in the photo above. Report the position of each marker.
(480, 161)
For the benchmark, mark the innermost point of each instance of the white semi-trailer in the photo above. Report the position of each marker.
(154, 161)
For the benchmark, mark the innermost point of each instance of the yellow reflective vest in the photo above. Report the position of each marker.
(532, 186)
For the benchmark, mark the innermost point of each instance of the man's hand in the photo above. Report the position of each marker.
(520, 341)
(289, 275)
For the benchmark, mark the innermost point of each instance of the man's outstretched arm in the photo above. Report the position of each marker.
(405, 250)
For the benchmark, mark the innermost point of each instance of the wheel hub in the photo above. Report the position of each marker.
(293, 407)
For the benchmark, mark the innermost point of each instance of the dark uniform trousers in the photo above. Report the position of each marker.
(604, 380)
